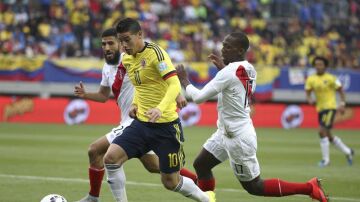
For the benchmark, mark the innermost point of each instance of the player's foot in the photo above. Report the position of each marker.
(350, 156)
(317, 192)
(323, 163)
(211, 195)
(89, 198)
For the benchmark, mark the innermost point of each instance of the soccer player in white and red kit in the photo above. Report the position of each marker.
(235, 137)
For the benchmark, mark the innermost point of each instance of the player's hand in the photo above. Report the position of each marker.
(181, 101)
(217, 61)
(133, 111)
(341, 108)
(182, 74)
(154, 114)
(79, 90)
(310, 101)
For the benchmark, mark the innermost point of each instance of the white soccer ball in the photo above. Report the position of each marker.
(53, 198)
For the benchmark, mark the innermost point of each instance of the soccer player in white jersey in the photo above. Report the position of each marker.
(235, 137)
(123, 92)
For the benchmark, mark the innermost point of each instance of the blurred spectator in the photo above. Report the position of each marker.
(284, 33)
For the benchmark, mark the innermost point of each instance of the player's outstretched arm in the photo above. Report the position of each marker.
(342, 100)
(308, 97)
(101, 96)
(198, 96)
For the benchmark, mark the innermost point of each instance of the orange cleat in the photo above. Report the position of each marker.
(317, 192)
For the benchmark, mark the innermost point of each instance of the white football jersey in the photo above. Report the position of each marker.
(115, 77)
(234, 85)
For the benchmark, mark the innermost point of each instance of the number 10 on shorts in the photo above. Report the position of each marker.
(173, 160)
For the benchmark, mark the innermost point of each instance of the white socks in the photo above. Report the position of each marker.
(116, 179)
(188, 188)
(341, 146)
(324, 145)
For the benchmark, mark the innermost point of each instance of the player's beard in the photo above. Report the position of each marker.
(114, 60)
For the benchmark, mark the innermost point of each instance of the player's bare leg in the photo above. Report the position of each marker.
(114, 159)
(186, 187)
(203, 165)
(96, 171)
(150, 162)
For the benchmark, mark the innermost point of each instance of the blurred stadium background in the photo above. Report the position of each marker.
(48, 46)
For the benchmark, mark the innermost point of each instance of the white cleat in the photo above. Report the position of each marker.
(89, 198)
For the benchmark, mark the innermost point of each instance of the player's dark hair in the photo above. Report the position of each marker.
(109, 32)
(242, 39)
(128, 25)
(325, 61)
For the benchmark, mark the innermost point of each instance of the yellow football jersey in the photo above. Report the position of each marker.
(324, 87)
(148, 71)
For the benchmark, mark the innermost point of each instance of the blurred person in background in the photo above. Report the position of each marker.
(325, 85)
(193, 26)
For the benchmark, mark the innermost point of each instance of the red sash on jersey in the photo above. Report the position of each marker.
(118, 81)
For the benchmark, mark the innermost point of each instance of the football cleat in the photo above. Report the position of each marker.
(350, 156)
(323, 163)
(211, 195)
(317, 191)
(89, 198)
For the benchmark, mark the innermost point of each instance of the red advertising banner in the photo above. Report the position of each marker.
(286, 116)
(58, 110)
(65, 110)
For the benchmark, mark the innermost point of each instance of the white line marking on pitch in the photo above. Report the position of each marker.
(60, 179)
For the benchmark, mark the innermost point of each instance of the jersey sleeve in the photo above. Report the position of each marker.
(163, 63)
(308, 84)
(171, 93)
(221, 80)
(215, 86)
(104, 79)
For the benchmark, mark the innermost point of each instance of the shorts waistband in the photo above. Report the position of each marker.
(159, 124)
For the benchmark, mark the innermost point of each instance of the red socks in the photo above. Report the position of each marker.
(95, 177)
(187, 173)
(206, 185)
(277, 187)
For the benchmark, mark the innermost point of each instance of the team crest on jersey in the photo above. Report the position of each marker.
(162, 66)
(143, 63)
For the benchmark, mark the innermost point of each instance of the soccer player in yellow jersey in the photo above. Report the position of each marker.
(325, 85)
(156, 125)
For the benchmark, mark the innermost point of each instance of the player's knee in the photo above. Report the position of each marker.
(253, 191)
(110, 158)
(170, 182)
(199, 165)
(152, 168)
(323, 132)
(93, 152)
(253, 187)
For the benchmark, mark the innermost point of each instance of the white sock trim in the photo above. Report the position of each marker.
(279, 186)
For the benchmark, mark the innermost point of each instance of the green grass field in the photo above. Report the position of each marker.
(39, 159)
